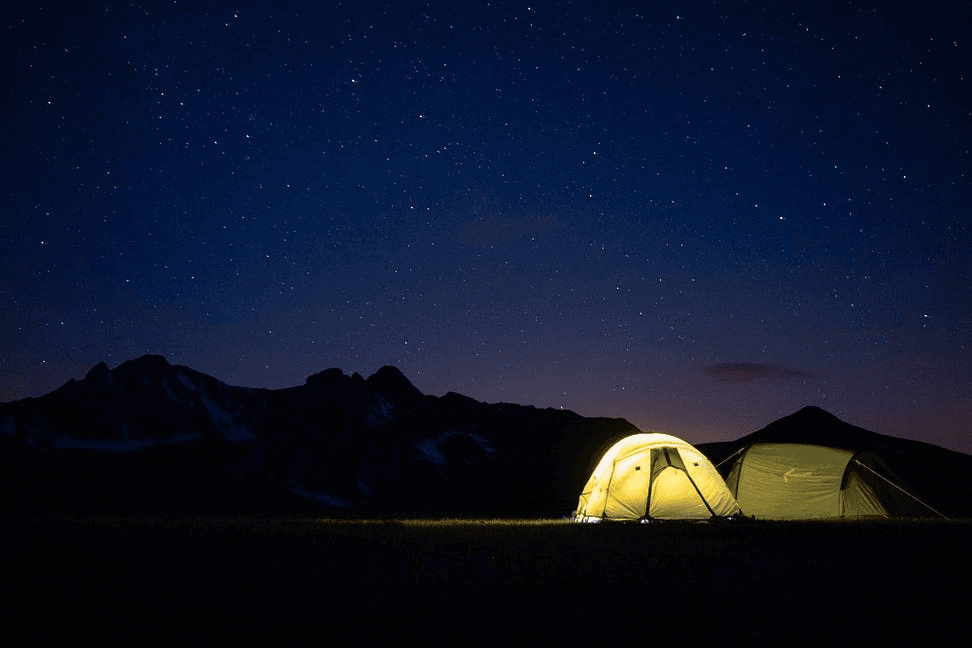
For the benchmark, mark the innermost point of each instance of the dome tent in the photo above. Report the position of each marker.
(654, 476)
(793, 481)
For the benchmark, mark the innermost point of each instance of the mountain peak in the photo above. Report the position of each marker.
(391, 382)
(389, 374)
(813, 410)
(148, 361)
(99, 374)
(815, 417)
(327, 377)
(814, 425)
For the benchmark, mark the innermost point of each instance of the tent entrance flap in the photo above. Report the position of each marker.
(672, 492)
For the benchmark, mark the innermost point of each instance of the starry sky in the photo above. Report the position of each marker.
(698, 216)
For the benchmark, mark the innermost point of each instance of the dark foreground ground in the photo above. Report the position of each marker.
(302, 582)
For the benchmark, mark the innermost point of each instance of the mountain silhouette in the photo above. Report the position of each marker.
(150, 438)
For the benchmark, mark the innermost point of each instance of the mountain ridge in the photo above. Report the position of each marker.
(169, 439)
(351, 445)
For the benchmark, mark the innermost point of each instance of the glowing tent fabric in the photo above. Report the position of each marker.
(789, 481)
(654, 476)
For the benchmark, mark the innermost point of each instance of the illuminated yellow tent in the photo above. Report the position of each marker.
(791, 481)
(654, 476)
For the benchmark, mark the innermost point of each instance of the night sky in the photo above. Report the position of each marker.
(700, 217)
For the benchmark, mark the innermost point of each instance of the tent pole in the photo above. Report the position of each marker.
(730, 456)
(651, 480)
(701, 496)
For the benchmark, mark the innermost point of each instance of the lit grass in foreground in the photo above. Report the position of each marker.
(433, 522)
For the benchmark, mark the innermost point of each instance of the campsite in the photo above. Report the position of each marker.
(486, 323)
(153, 500)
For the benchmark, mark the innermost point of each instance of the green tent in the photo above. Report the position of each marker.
(654, 476)
(791, 481)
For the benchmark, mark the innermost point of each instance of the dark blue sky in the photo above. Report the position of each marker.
(696, 216)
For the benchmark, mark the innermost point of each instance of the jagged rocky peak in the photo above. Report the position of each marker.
(391, 382)
(335, 376)
(99, 375)
(327, 377)
(149, 363)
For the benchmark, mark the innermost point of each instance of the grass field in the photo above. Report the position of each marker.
(482, 582)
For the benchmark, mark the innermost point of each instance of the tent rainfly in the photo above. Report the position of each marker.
(790, 481)
(654, 476)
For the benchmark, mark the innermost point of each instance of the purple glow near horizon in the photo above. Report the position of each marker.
(697, 219)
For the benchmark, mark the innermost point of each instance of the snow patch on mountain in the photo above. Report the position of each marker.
(224, 420)
(186, 381)
(330, 500)
(380, 412)
(483, 443)
(429, 448)
(168, 390)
